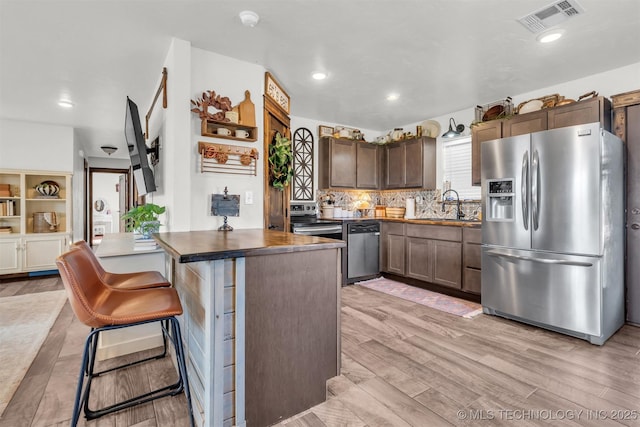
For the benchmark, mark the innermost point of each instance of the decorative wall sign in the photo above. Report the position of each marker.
(275, 92)
(325, 131)
(302, 188)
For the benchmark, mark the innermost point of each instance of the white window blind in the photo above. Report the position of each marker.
(457, 167)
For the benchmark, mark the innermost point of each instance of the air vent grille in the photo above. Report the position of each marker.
(551, 15)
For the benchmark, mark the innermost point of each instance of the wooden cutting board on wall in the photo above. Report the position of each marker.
(247, 111)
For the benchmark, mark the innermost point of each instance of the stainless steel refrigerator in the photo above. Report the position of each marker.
(553, 230)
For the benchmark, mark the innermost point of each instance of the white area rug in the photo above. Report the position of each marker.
(25, 321)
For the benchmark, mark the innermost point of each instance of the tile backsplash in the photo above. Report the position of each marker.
(430, 206)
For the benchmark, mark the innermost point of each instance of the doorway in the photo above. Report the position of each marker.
(276, 202)
(108, 199)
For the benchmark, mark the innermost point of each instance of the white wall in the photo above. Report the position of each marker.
(35, 146)
(608, 83)
(227, 77)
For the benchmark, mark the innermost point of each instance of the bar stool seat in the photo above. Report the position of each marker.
(103, 308)
(137, 280)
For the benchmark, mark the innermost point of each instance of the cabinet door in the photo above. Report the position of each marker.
(420, 258)
(9, 256)
(343, 163)
(395, 254)
(395, 166)
(577, 114)
(414, 166)
(525, 123)
(472, 280)
(40, 252)
(447, 263)
(485, 131)
(367, 166)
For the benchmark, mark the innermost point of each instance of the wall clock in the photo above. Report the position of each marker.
(302, 187)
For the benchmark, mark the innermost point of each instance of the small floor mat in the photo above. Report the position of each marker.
(441, 302)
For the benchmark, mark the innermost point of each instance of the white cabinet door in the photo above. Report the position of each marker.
(10, 256)
(40, 252)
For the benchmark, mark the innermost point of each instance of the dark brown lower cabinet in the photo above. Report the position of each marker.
(392, 248)
(432, 253)
(471, 259)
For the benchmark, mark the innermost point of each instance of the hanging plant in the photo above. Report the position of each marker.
(280, 161)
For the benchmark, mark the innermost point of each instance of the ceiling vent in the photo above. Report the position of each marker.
(551, 15)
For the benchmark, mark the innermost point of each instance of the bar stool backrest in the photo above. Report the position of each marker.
(84, 246)
(84, 288)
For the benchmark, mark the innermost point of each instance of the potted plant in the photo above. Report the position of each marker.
(143, 219)
(280, 161)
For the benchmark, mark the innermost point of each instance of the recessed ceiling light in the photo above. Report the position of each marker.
(550, 36)
(393, 97)
(249, 18)
(65, 103)
(319, 75)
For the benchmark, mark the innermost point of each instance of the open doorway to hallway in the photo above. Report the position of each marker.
(108, 199)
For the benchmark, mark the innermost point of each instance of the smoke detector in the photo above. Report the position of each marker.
(249, 18)
(551, 15)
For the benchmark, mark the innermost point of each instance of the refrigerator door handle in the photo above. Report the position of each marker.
(535, 170)
(498, 254)
(524, 189)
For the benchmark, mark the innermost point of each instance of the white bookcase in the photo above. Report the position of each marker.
(23, 247)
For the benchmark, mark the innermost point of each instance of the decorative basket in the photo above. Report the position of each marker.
(45, 222)
(494, 110)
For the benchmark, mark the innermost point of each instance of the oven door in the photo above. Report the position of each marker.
(329, 231)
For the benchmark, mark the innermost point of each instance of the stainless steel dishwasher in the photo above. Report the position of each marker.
(363, 245)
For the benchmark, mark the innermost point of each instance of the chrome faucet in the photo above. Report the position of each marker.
(459, 213)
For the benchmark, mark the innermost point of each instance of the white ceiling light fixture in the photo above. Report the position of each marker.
(109, 149)
(65, 103)
(550, 36)
(319, 75)
(393, 97)
(249, 18)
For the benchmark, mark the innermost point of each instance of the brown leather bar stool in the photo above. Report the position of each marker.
(137, 280)
(104, 308)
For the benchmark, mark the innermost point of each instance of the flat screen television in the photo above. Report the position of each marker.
(142, 173)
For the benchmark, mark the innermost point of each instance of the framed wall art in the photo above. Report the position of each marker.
(274, 91)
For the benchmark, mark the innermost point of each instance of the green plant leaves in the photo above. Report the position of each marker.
(142, 213)
(280, 162)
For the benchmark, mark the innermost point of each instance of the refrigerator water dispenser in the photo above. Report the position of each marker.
(500, 200)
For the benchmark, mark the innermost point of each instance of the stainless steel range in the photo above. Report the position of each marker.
(304, 220)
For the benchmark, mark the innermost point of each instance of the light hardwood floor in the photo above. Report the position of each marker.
(403, 364)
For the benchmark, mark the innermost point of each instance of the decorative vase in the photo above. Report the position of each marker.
(48, 188)
(147, 228)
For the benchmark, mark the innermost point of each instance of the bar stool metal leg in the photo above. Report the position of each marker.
(87, 374)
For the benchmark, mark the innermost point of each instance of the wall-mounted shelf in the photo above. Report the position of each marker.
(231, 159)
(210, 128)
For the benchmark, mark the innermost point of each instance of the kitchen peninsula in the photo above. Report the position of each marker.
(261, 321)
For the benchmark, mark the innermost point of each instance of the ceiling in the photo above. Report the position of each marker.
(439, 56)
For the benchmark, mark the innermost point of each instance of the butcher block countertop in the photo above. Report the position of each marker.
(206, 245)
(433, 221)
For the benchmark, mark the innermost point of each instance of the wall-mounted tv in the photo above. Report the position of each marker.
(138, 150)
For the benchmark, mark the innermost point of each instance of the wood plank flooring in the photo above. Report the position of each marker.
(403, 364)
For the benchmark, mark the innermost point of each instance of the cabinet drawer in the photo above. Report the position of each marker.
(472, 255)
(393, 228)
(438, 232)
(472, 280)
(472, 235)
